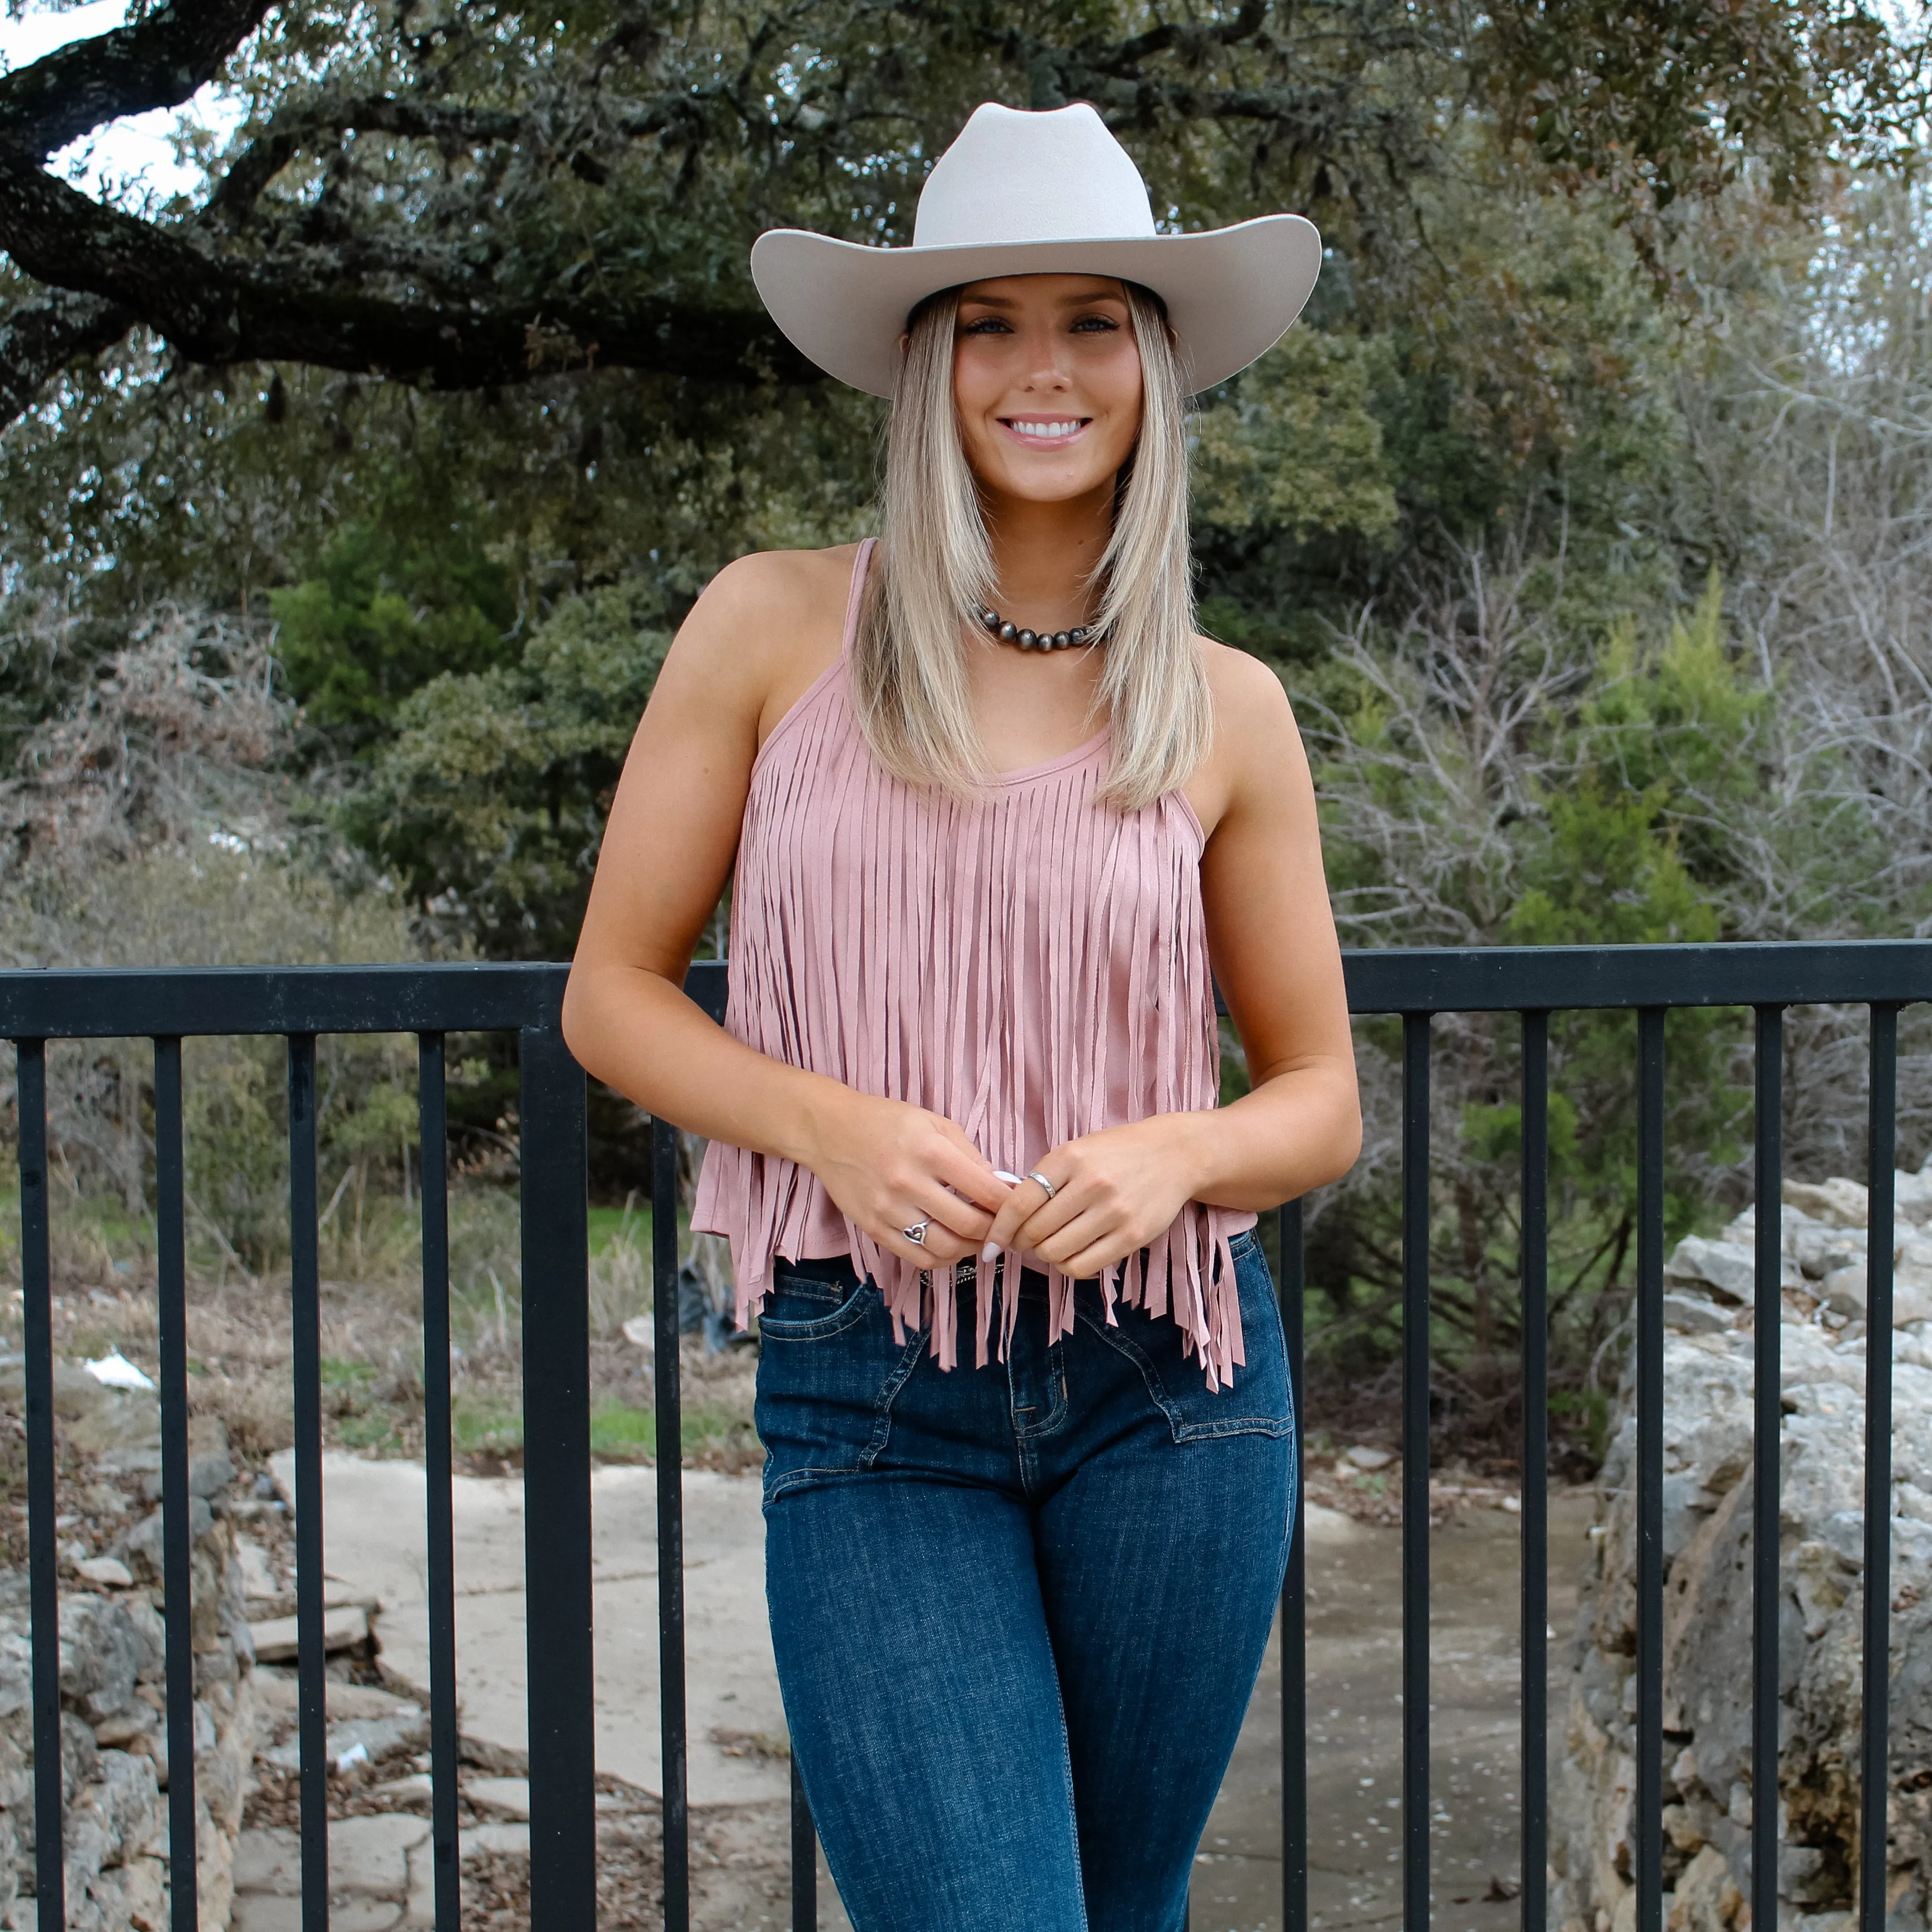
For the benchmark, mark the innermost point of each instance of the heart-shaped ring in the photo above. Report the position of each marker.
(915, 1234)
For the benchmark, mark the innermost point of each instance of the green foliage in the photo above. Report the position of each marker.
(1662, 748)
(1595, 817)
(388, 608)
(489, 801)
(1290, 456)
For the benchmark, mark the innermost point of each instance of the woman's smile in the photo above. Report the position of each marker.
(1045, 432)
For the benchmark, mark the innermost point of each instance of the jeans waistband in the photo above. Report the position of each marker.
(840, 1269)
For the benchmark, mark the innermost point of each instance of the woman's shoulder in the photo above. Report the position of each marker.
(1247, 692)
(780, 587)
(1255, 736)
(766, 626)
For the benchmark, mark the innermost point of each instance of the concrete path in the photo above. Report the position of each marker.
(374, 1529)
(1354, 1731)
(375, 1539)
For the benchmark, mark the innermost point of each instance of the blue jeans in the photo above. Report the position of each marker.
(1018, 1611)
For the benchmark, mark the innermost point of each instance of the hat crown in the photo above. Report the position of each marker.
(1015, 176)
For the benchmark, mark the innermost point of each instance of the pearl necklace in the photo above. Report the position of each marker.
(1028, 641)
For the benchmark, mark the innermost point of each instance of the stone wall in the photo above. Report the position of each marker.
(1708, 1784)
(114, 1753)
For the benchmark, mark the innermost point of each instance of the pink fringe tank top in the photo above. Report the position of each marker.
(1032, 964)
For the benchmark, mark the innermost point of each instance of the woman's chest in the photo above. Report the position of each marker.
(1028, 865)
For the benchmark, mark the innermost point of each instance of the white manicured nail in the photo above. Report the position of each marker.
(1011, 1180)
(992, 1248)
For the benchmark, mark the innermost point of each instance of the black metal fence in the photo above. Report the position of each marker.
(299, 1004)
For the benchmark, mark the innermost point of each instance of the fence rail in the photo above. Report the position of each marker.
(299, 1003)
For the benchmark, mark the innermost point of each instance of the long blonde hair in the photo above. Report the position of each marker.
(909, 659)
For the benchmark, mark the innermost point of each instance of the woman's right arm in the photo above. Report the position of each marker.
(667, 850)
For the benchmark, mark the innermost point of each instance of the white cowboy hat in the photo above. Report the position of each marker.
(1019, 194)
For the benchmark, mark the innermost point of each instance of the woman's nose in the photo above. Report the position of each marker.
(1047, 370)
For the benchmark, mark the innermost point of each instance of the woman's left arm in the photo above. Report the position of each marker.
(1271, 936)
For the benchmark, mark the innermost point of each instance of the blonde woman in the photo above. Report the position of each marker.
(993, 807)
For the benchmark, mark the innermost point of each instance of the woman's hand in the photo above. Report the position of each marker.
(1113, 1192)
(888, 1166)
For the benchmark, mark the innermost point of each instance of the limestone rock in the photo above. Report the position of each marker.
(101, 1655)
(1709, 1484)
(113, 1666)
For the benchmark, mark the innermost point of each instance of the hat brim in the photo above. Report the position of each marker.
(1232, 293)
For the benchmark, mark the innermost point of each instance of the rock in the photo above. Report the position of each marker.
(1708, 1551)
(16, 1675)
(209, 1473)
(101, 1655)
(114, 1758)
(1819, 1250)
(510, 1794)
(275, 1638)
(152, 1633)
(1707, 1898)
(122, 1419)
(1837, 1203)
(371, 1854)
(514, 1839)
(269, 1860)
(1729, 1267)
(257, 1579)
(281, 1690)
(378, 1738)
(1363, 1456)
(1844, 1291)
(1695, 1314)
(1911, 1194)
(142, 1548)
(16, 1782)
(265, 1912)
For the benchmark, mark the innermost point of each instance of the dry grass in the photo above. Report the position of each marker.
(240, 1335)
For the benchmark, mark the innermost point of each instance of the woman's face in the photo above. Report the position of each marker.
(1046, 378)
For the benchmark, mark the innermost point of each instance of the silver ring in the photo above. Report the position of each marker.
(1050, 1190)
(915, 1234)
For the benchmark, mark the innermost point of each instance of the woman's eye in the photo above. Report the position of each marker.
(987, 325)
(1096, 325)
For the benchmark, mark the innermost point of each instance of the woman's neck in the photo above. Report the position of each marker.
(1045, 555)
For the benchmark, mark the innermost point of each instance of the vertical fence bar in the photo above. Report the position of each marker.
(1535, 1470)
(804, 1859)
(177, 1529)
(556, 1486)
(1294, 1597)
(432, 1117)
(1415, 1901)
(43, 1552)
(1647, 1817)
(1767, 1423)
(305, 1355)
(1874, 1752)
(670, 1526)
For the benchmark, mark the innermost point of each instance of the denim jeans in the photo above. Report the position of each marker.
(1018, 1611)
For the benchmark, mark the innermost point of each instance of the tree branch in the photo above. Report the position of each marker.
(39, 340)
(158, 62)
(213, 311)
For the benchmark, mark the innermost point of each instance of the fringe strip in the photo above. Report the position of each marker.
(949, 954)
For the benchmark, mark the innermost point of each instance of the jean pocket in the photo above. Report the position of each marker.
(828, 1373)
(799, 1308)
(1259, 1402)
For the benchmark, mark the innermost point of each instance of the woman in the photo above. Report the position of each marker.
(993, 806)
